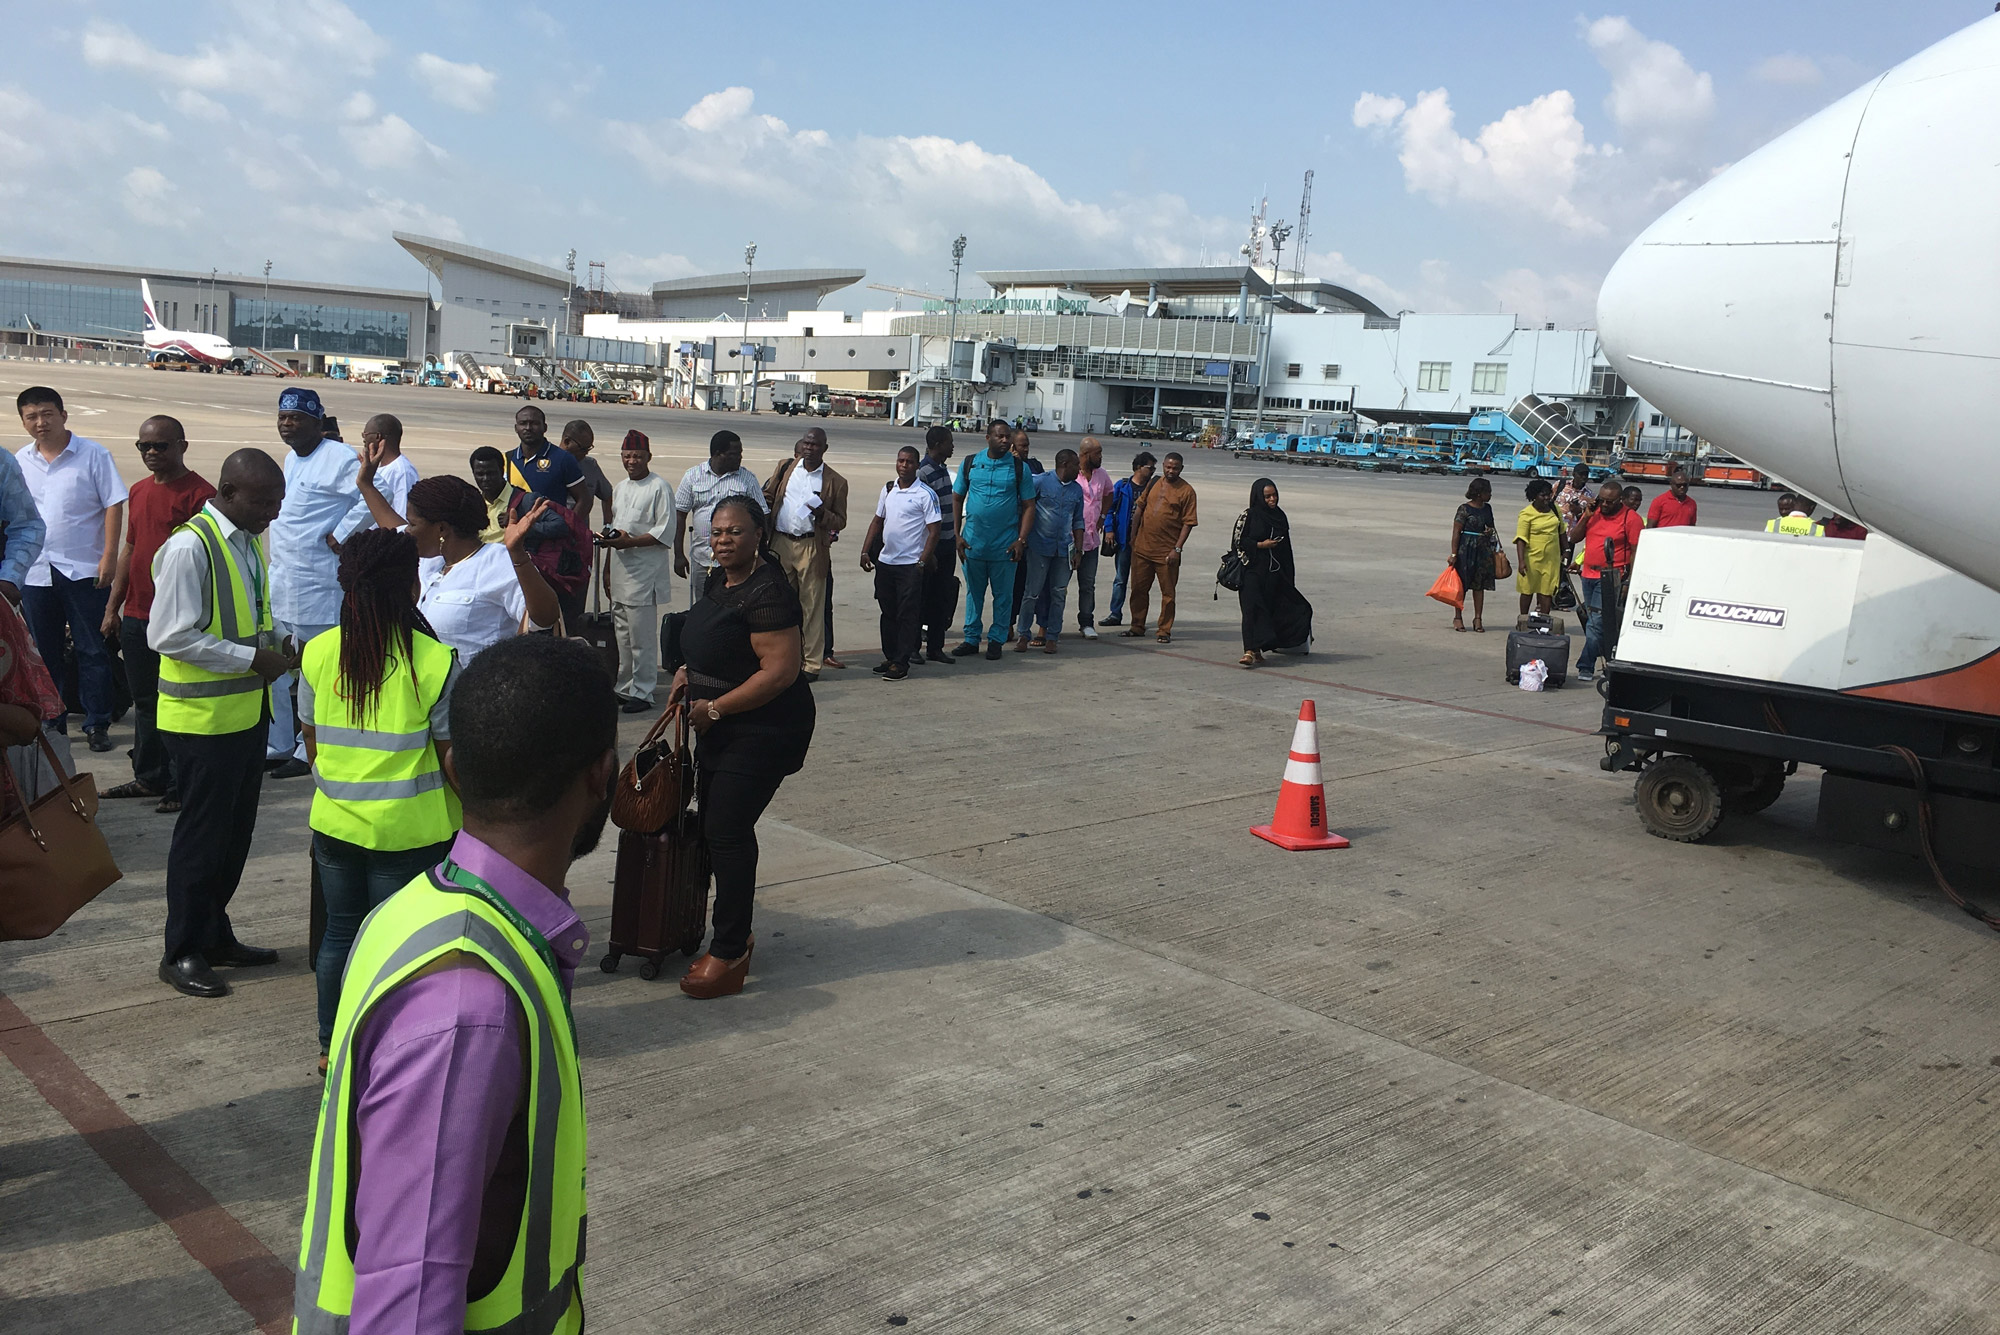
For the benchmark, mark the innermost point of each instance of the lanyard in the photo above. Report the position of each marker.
(477, 886)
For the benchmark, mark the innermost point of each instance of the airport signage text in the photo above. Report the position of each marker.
(1014, 306)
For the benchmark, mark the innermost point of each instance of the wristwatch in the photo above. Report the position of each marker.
(714, 714)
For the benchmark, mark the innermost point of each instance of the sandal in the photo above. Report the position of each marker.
(1478, 626)
(1131, 632)
(1164, 638)
(1251, 659)
(1458, 623)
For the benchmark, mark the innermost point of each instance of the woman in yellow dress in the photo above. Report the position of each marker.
(1538, 541)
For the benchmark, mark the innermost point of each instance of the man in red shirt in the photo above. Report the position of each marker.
(1672, 508)
(159, 504)
(1608, 528)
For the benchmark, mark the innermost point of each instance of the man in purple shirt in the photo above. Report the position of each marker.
(438, 1070)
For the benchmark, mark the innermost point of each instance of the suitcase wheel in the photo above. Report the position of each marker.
(650, 970)
(610, 961)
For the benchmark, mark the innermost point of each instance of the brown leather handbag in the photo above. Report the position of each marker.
(654, 785)
(53, 858)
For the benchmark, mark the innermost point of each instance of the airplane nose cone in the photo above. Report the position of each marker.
(1720, 314)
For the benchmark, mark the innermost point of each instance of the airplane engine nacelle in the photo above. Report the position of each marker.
(1829, 307)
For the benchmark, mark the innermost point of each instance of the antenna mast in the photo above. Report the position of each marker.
(1305, 217)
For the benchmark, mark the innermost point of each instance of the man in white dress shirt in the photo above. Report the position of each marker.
(82, 503)
(394, 473)
(637, 577)
(702, 488)
(216, 770)
(807, 502)
(322, 505)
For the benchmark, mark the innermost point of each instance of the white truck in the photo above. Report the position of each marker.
(797, 397)
(1810, 310)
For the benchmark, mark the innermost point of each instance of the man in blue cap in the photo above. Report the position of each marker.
(323, 506)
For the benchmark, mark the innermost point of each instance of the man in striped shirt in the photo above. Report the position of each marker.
(940, 596)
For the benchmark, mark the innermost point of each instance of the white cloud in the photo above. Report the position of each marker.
(1567, 298)
(1658, 101)
(912, 192)
(1790, 69)
(196, 106)
(1528, 161)
(153, 199)
(290, 59)
(1372, 111)
(467, 87)
(358, 107)
(389, 142)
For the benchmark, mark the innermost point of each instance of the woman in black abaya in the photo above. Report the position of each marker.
(1275, 614)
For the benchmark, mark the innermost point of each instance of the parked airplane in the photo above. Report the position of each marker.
(1824, 308)
(210, 351)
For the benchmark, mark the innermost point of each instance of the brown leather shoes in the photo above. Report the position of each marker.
(710, 977)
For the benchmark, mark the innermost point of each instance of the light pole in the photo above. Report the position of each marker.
(267, 303)
(951, 338)
(743, 348)
(570, 265)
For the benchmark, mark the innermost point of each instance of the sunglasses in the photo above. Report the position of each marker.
(145, 445)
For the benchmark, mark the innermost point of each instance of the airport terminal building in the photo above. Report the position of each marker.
(298, 322)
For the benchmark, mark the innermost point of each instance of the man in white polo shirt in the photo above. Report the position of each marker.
(82, 502)
(899, 546)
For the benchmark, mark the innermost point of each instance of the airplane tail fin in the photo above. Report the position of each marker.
(146, 305)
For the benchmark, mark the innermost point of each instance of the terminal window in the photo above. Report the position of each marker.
(70, 308)
(1433, 377)
(1292, 370)
(1330, 371)
(356, 332)
(1489, 377)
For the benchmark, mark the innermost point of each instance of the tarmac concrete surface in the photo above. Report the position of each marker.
(1039, 1038)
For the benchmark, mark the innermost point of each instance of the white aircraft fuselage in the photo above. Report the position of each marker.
(209, 349)
(1829, 307)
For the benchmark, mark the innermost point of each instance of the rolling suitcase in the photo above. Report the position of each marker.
(659, 899)
(596, 629)
(1540, 642)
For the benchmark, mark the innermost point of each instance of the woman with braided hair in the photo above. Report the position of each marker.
(373, 698)
(475, 593)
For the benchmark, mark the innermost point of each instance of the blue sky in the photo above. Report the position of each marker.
(1466, 156)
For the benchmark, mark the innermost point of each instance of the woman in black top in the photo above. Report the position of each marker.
(1275, 614)
(753, 712)
(1473, 542)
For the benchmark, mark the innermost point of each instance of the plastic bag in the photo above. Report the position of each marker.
(1449, 588)
(1534, 674)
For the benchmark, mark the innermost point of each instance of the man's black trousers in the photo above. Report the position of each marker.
(940, 600)
(900, 592)
(219, 779)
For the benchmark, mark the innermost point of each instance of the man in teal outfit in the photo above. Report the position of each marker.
(995, 511)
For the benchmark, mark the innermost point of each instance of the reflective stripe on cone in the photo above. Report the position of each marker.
(1300, 821)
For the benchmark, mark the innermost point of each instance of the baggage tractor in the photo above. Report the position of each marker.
(659, 899)
(1539, 642)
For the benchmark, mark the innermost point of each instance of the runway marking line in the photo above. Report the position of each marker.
(260, 1283)
(1369, 690)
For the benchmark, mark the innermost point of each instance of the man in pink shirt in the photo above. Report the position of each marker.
(432, 1076)
(1096, 484)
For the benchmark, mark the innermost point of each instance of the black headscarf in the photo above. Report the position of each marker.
(1264, 521)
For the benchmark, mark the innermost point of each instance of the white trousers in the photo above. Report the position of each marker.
(638, 632)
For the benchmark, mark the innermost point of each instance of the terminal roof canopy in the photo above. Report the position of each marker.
(1214, 281)
(731, 284)
(432, 252)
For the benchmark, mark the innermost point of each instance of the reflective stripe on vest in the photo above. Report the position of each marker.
(193, 699)
(541, 1291)
(380, 784)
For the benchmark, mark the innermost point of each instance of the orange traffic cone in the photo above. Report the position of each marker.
(1300, 822)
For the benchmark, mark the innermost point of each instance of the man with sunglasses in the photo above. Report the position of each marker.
(159, 504)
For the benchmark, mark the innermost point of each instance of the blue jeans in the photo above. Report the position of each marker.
(1121, 575)
(80, 603)
(1592, 639)
(980, 576)
(1048, 579)
(1086, 590)
(354, 880)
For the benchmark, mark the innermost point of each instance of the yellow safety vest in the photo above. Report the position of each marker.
(379, 780)
(193, 699)
(1797, 526)
(444, 912)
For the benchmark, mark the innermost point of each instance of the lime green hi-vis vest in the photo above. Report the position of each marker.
(1797, 526)
(448, 911)
(379, 781)
(193, 699)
